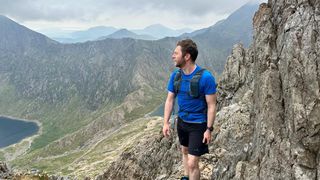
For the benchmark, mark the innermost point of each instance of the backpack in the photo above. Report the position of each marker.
(194, 88)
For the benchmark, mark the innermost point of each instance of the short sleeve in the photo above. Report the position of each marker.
(210, 84)
(171, 82)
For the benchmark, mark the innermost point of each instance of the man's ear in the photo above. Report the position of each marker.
(187, 56)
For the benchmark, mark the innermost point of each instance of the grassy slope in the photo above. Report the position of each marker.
(59, 121)
(93, 161)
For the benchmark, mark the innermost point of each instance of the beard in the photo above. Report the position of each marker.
(180, 63)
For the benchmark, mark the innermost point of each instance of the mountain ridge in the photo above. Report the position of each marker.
(156, 31)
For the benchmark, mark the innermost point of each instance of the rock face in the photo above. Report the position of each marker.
(268, 124)
(273, 91)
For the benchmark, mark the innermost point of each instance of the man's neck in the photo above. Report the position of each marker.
(189, 68)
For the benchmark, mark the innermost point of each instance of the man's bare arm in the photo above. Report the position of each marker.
(211, 102)
(167, 113)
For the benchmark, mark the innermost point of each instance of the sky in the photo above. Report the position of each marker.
(74, 15)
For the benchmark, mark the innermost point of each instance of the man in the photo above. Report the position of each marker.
(196, 113)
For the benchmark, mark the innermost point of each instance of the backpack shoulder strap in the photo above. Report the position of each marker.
(177, 82)
(195, 85)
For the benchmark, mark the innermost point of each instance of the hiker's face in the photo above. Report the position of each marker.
(179, 61)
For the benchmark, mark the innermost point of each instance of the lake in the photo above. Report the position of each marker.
(160, 110)
(13, 131)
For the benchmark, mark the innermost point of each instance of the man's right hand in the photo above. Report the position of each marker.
(166, 130)
(167, 113)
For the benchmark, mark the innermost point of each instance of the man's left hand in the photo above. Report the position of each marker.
(206, 137)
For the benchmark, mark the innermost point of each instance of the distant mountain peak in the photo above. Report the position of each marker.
(16, 36)
(125, 33)
(123, 30)
(3, 16)
(6, 19)
(156, 26)
(101, 28)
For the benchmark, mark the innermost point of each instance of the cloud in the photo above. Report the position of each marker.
(50, 10)
(118, 12)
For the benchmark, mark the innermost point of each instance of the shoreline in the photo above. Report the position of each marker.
(28, 139)
(154, 110)
(21, 119)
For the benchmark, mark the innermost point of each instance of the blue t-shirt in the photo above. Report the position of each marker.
(191, 109)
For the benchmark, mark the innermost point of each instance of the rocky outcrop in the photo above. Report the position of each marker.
(279, 122)
(268, 124)
(153, 157)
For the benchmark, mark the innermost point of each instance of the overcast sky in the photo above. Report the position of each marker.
(131, 14)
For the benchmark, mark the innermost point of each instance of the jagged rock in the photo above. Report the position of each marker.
(3, 168)
(55, 177)
(154, 157)
(5, 173)
(234, 131)
(284, 124)
(236, 77)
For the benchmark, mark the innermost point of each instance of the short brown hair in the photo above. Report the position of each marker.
(188, 46)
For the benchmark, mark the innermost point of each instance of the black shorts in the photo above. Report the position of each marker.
(191, 136)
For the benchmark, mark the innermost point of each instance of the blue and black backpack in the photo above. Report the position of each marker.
(194, 87)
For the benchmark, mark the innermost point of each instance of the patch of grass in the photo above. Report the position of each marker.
(50, 165)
